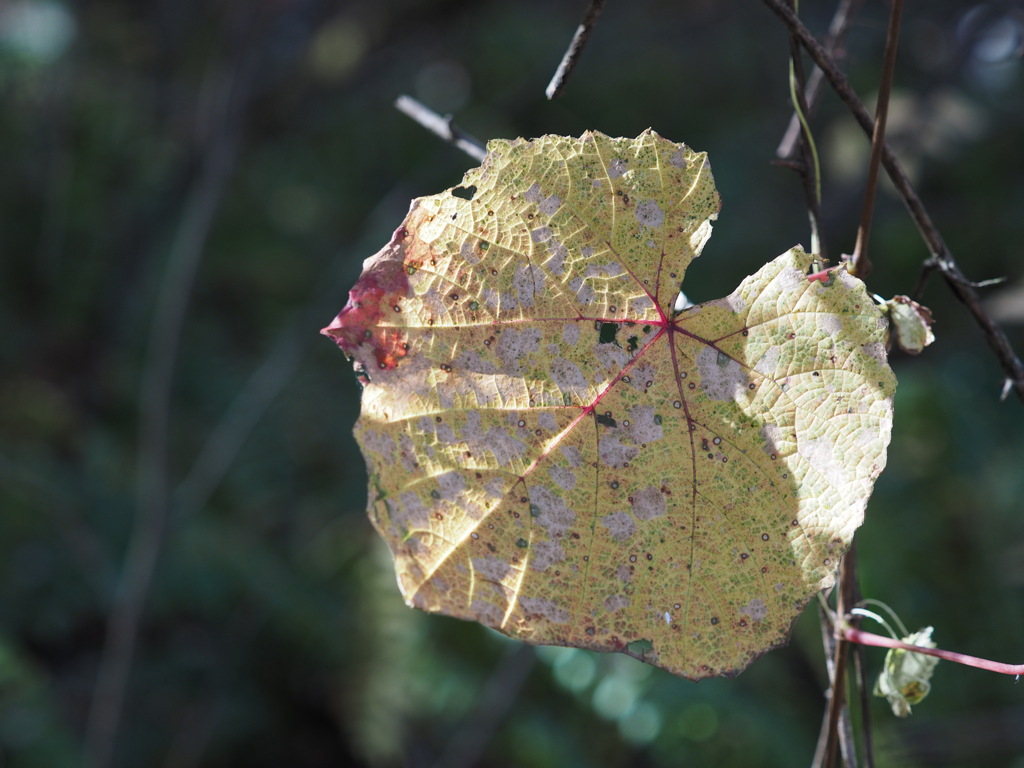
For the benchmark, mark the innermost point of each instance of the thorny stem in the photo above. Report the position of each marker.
(443, 127)
(860, 265)
(854, 635)
(940, 258)
(572, 53)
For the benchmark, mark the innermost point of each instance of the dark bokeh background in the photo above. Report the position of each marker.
(187, 191)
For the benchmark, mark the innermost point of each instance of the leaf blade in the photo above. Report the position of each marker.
(554, 453)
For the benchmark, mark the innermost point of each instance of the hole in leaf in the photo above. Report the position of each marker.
(464, 193)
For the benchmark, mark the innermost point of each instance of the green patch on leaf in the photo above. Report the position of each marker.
(381, 494)
(608, 331)
(640, 647)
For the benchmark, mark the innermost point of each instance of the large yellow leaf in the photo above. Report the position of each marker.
(555, 453)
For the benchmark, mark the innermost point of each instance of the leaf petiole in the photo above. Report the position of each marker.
(854, 635)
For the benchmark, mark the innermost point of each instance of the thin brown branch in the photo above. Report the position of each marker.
(846, 598)
(927, 268)
(808, 168)
(860, 265)
(839, 26)
(847, 743)
(849, 591)
(828, 642)
(819, 747)
(867, 741)
(846, 740)
(443, 127)
(572, 53)
(961, 287)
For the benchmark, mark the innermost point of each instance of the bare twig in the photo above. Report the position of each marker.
(154, 432)
(847, 743)
(819, 748)
(572, 53)
(846, 598)
(828, 642)
(495, 701)
(926, 270)
(1005, 391)
(837, 30)
(860, 265)
(248, 407)
(810, 169)
(277, 368)
(930, 266)
(444, 127)
(868, 750)
(940, 255)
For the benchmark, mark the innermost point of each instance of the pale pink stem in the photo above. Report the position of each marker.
(854, 635)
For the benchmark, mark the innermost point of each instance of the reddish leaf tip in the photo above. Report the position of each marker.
(358, 329)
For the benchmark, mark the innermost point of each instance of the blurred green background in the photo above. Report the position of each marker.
(187, 191)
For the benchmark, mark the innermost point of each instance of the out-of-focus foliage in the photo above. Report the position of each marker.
(231, 164)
